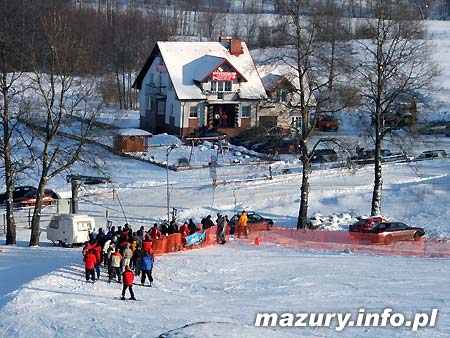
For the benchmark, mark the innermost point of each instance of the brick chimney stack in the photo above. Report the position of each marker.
(234, 45)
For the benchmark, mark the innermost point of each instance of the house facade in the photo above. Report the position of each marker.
(188, 86)
(281, 112)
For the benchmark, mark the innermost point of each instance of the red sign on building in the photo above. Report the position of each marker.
(224, 76)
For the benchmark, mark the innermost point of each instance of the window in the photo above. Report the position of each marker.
(151, 78)
(221, 86)
(171, 110)
(281, 96)
(296, 121)
(83, 226)
(246, 111)
(148, 102)
(161, 107)
(54, 224)
(193, 112)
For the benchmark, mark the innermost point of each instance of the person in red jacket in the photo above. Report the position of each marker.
(97, 251)
(89, 264)
(128, 279)
(147, 246)
(155, 233)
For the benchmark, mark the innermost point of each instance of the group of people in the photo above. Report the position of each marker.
(125, 253)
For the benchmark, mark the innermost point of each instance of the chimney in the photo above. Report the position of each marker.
(234, 45)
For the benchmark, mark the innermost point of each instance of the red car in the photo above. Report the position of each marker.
(366, 224)
(29, 199)
(327, 123)
(389, 232)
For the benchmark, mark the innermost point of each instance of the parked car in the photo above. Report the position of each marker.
(254, 221)
(277, 145)
(18, 192)
(327, 123)
(323, 156)
(366, 224)
(431, 154)
(390, 232)
(29, 199)
(368, 156)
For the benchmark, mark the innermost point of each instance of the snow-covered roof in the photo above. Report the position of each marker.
(132, 132)
(187, 62)
(270, 81)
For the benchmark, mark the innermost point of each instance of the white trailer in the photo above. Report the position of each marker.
(69, 229)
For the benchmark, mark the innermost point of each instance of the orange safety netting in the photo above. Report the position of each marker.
(352, 242)
(175, 242)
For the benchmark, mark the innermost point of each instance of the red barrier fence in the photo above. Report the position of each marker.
(352, 242)
(175, 242)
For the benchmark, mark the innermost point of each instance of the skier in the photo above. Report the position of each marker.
(146, 268)
(116, 260)
(220, 235)
(89, 264)
(127, 255)
(242, 225)
(128, 279)
(192, 227)
(155, 233)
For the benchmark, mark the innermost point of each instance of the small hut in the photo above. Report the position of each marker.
(131, 140)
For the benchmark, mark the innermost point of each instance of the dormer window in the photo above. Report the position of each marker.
(221, 86)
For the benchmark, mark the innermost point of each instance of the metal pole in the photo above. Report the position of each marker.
(167, 181)
(75, 186)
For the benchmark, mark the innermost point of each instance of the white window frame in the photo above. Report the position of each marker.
(193, 112)
(296, 121)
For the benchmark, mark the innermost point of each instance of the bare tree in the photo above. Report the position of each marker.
(70, 103)
(304, 42)
(12, 51)
(395, 62)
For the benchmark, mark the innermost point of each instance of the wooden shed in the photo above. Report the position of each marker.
(131, 140)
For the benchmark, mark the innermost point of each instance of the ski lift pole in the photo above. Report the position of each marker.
(234, 194)
(121, 207)
(212, 202)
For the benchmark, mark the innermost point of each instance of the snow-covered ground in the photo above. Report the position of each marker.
(219, 290)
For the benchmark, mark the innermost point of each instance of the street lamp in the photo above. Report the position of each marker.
(168, 151)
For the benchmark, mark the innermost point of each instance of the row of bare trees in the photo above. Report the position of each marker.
(393, 60)
(52, 57)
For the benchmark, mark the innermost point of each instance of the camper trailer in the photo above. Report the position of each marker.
(69, 229)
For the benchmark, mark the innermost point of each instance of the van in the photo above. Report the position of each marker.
(70, 229)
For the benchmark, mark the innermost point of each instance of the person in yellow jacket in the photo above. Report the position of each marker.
(242, 225)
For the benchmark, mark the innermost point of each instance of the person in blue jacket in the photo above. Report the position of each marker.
(146, 268)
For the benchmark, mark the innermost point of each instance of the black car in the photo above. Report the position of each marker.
(323, 156)
(252, 219)
(18, 193)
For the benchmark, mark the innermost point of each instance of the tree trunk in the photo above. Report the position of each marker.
(36, 219)
(304, 190)
(10, 224)
(378, 180)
